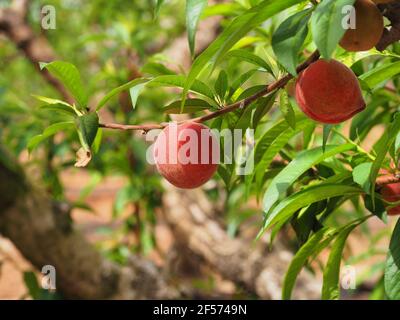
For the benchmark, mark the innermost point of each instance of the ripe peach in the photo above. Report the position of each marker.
(369, 28)
(391, 192)
(329, 92)
(186, 154)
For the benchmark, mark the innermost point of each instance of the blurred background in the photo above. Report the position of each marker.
(132, 222)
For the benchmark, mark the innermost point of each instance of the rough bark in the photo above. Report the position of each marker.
(42, 230)
(252, 265)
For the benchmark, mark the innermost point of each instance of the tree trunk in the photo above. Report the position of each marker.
(42, 230)
(257, 268)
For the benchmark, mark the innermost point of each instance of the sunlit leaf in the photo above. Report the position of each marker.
(238, 28)
(88, 125)
(245, 55)
(392, 270)
(288, 39)
(303, 162)
(194, 10)
(288, 206)
(191, 105)
(380, 74)
(48, 132)
(331, 285)
(287, 109)
(221, 85)
(326, 25)
(69, 75)
(120, 89)
(298, 262)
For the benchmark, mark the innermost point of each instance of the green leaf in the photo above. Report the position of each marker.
(380, 74)
(238, 28)
(51, 100)
(364, 121)
(326, 25)
(223, 9)
(32, 284)
(244, 121)
(88, 125)
(156, 69)
(241, 80)
(378, 208)
(298, 166)
(134, 93)
(308, 136)
(268, 145)
(306, 221)
(245, 55)
(250, 91)
(97, 141)
(288, 206)
(59, 108)
(191, 105)
(397, 146)
(298, 262)
(95, 179)
(331, 285)
(225, 174)
(392, 270)
(274, 148)
(128, 194)
(48, 132)
(267, 138)
(361, 175)
(69, 75)
(288, 39)
(136, 85)
(158, 7)
(287, 110)
(327, 128)
(119, 89)
(221, 85)
(197, 86)
(263, 106)
(194, 10)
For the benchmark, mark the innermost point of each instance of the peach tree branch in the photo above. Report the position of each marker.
(242, 104)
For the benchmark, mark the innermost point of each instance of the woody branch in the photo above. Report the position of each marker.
(242, 104)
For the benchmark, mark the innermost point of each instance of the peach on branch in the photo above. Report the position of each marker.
(368, 27)
(187, 155)
(329, 92)
(391, 193)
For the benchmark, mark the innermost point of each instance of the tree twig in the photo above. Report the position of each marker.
(392, 35)
(280, 83)
(387, 179)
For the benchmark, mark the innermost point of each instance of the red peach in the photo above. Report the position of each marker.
(329, 92)
(186, 154)
(368, 29)
(391, 192)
